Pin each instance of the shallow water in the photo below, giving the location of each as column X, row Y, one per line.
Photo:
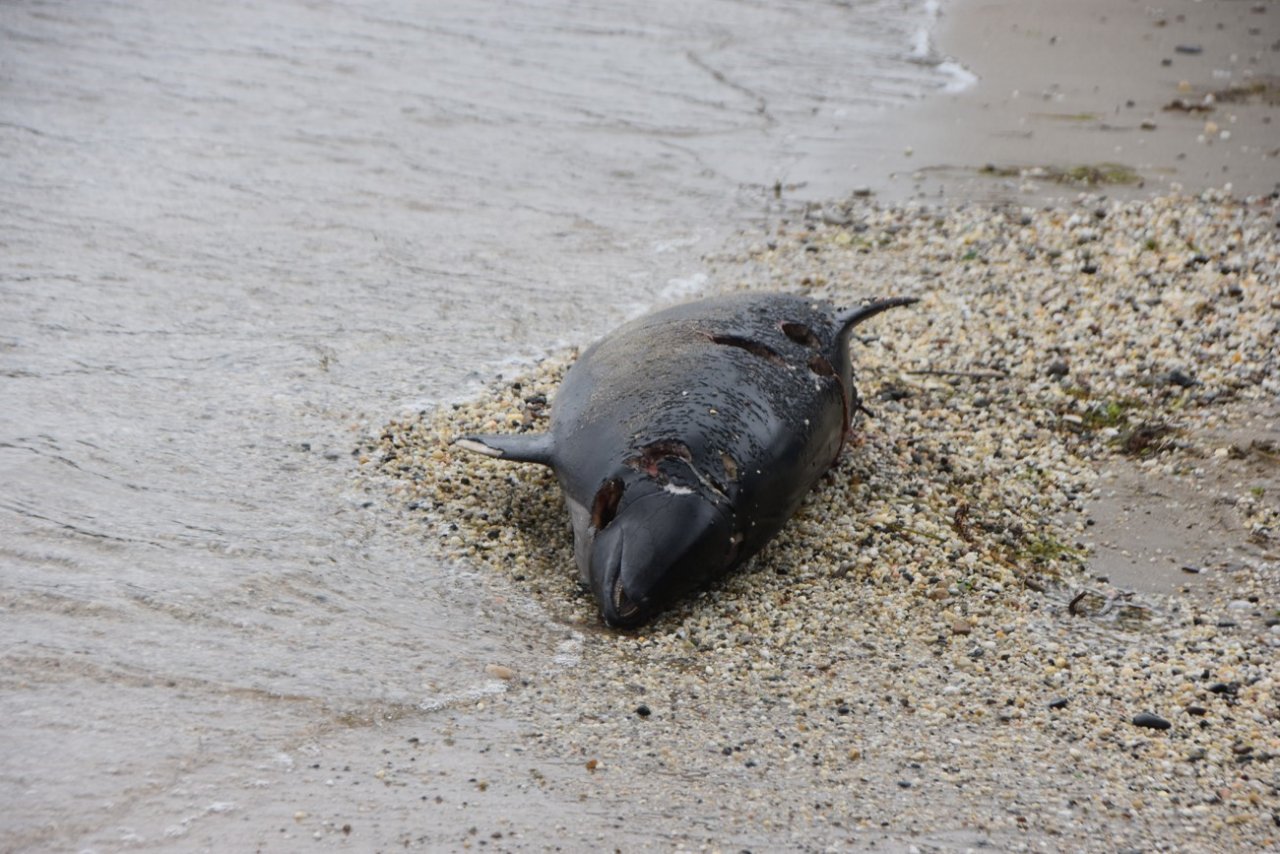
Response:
column 237, row 236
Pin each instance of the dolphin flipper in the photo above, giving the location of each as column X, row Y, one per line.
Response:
column 846, row 320
column 520, row 448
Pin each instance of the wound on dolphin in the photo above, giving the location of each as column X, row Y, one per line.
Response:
column 820, row 366
column 648, row 417
column 802, row 335
column 654, row 453
column 605, row 505
column 764, row 351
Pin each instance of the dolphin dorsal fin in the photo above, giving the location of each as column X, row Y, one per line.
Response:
column 850, row 318
column 516, row 447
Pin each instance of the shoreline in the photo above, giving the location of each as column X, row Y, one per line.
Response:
column 1040, row 125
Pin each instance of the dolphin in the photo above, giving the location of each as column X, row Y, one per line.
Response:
column 684, row 440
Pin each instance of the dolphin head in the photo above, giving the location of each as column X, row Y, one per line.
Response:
column 647, row 542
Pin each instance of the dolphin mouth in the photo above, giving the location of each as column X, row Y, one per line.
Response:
column 617, row 608
column 624, row 609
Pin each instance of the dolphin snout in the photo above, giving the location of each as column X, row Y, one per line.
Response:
column 607, row 578
column 655, row 549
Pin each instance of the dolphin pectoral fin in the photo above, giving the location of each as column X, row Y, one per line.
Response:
column 520, row 448
column 846, row 320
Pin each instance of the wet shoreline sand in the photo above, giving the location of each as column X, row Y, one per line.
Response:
column 1142, row 99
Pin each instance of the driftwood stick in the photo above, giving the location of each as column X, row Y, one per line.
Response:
column 973, row 375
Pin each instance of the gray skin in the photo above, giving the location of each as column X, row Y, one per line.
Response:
column 685, row 439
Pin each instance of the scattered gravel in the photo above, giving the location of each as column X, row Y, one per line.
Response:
column 921, row 654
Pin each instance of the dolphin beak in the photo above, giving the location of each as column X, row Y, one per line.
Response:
column 657, row 548
column 618, row 608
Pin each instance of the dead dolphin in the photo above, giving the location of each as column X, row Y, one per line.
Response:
column 685, row 439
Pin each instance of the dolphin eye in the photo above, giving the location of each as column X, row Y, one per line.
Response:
column 605, row 505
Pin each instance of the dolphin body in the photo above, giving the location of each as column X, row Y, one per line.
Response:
column 685, row 439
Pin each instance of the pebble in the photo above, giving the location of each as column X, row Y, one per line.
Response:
column 498, row 671
column 1150, row 721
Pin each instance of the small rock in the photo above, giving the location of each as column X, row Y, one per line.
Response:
column 1150, row 721
column 643, row 711
column 961, row 627
column 1178, row 378
column 1058, row 369
column 497, row 671
column 1190, row 49
column 1058, row 703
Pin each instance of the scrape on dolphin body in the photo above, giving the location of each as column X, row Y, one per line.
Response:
column 685, row 439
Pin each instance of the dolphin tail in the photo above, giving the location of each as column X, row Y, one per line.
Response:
column 520, row 448
column 850, row 318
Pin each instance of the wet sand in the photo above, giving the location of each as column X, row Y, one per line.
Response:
column 1085, row 85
